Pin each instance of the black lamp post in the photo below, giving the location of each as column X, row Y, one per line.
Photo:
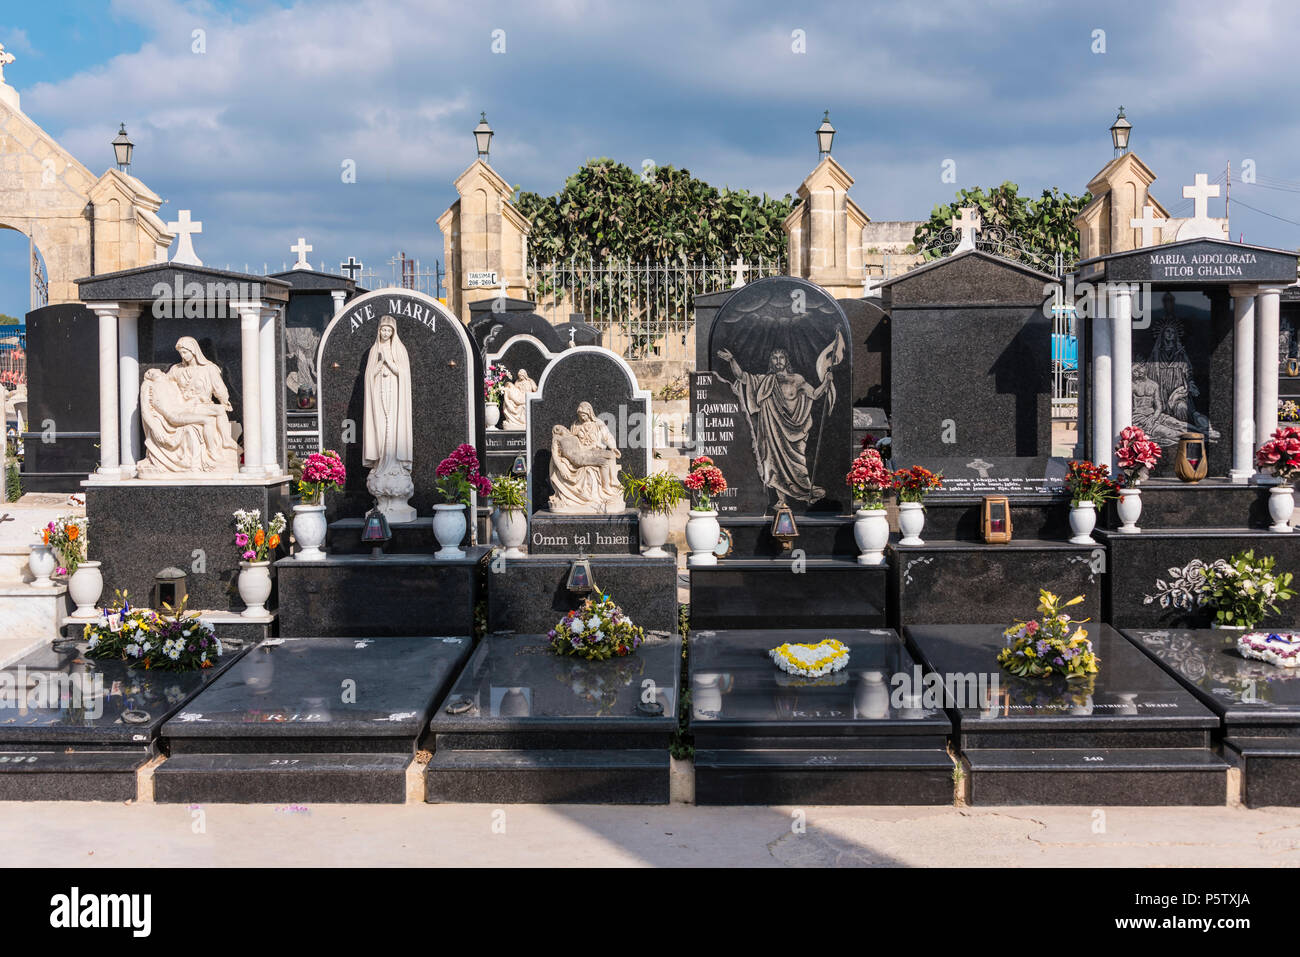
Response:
column 1119, row 133
column 825, row 134
column 483, row 135
column 122, row 149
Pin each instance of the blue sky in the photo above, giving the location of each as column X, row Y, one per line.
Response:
column 251, row 134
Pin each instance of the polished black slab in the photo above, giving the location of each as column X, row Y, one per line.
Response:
column 615, row 533
column 522, row 724
column 795, row 592
column 1138, row 777
column 101, row 704
column 1130, row 696
column 321, row 694
column 1171, row 505
column 63, row 775
column 264, row 778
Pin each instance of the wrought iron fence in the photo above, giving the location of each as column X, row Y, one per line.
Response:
column 13, row 357
column 646, row 308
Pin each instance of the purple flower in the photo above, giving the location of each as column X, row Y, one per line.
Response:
column 1057, row 660
column 241, row 539
column 249, row 555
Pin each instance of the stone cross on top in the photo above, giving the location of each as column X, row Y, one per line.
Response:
column 1200, row 226
column 967, row 225
column 5, row 59
column 352, row 268
column 1148, row 223
column 184, row 228
column 738, row 269
column 302, row 249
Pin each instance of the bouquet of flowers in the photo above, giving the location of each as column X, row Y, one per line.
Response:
column 1246, row 591
column 117, row 628
column 494, row 379
column 1136, row 454
column 255, row 541
column 172, row 641
column 704, row 480
column 1288, row 410
column 458, row 476
column 68, row 536
column 1277, row 648
column 869, row 478
column 509, row 492
column 323, row 472
column 1042, row 648
column 1087, row 482
column 1281, row 453
column 914, row 484
column 597, row 631
column 811, row 661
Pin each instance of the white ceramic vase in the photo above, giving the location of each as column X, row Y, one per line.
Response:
column 254, row 587
column 1129, row 509
column 42, row 563
column 449, row 525
column 511, row 526
column 702, row 532
column 85, row 585
column 1083, row 519
column 911, row 519
column 871, row 532
column 1281, row 506
column 492, row 414
column 309, row 529
column 654, row 533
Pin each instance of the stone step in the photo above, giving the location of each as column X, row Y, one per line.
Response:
column 1270, row 769
column 823, row 776
column 1113, row 776
column 282, row 778
column 70, row 775
column 29, row 618
column 605, row 776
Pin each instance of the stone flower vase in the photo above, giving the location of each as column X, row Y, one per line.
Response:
column 449, row 525
column 254, row 587
column 1083, row 519
column 1281, row 506
column 491, row 414
column 871, row 532
column 911, row 519
column 654, row 533
column 42, row 563
column 511, row 526
column 702, row 533
column 309, row 528
column 85, row 585
column 1129, row 509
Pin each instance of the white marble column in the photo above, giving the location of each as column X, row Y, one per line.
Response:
column 340, row 297
column 1266, row 334
column 1121, row 350
column 266, row 357
column 110, row 461
column 1102, row 390
column 1243, row 383
column 250, row 317
column 128, row 379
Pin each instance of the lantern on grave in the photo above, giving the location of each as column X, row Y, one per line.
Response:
column 1190, row 464
column 784, row 528
column 169, row 588
column 376, row 532
column 581, row 581
column 996, row 521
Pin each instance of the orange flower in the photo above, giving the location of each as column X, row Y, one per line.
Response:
column 259, row 537
column 73, row 532
column 275, row 541
column 45, row 534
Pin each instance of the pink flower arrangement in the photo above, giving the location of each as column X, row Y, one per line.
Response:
column 1281, row 453
column 869, row 478
column 1136, row 454
column 323, row 472
column 706, row 480
column 494, row 378
column 458, row 476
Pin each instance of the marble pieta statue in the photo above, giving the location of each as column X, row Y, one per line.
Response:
column 514, row 400
column 584, row 466
column 183, row 418
column 387, row 438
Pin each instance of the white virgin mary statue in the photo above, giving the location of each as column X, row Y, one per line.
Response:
column 386, row 442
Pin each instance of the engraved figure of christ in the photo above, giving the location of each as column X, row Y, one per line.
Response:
column 779, row 405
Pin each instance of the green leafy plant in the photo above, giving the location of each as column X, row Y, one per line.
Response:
column 1247, row 591
column 658, row 492
column 509, row 492
column 1044, row 225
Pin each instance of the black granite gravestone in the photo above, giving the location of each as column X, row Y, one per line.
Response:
column 446, row 390
column 62, row 437
column 970, row 381
column 579, row 332
column 705, row 307
column 783, row 347
column 523, row 352
column 493, row 322
column 870, row 326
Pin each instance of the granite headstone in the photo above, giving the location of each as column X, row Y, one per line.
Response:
column 494, row 322
column 62, row 391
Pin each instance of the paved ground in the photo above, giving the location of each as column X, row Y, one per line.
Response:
column 88, row 835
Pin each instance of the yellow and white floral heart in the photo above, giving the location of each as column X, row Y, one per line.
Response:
column 811, row 660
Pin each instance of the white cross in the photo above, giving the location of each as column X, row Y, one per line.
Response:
column 351, row 267
column 968, row 225
column 739, row 269
column 5, row 59
column 302, row 249
column 1148, row 223
column 184, row 228
column 1200, row 195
